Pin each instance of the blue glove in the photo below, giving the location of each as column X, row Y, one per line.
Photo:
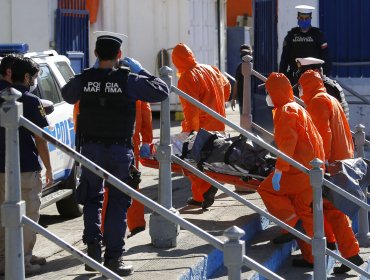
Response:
column 134, row 65
column 145, row 151
column 276, row 180
column 96, row 64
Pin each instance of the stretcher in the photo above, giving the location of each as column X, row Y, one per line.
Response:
column 222, row 173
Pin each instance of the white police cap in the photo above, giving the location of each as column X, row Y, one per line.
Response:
column 112, row 36
column 309, row 61
column 304, row 9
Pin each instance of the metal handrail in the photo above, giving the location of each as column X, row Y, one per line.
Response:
column 14, row 121
column 300, row 101
column 108, row 177
column 270, row 148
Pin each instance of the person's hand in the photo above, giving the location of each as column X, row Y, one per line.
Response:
column 134, row 65
column 145, row 151
column 49, row 177
column 233, row 103
column 276, row 180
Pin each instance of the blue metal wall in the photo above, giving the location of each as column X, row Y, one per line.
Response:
column 264, row 57
column 72, row 28
column 265, row 36
column 345, row 24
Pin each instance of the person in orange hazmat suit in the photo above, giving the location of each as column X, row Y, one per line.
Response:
column 331, row 122
column 297, row 137
column 208, row 85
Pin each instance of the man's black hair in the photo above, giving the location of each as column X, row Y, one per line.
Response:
column 7, row 62
column 23, row 66
column 246, row 49
column 107, row 48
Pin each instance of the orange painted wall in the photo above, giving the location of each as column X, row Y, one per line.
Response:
column 236, row 8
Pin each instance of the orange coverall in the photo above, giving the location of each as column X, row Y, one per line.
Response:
column 331, row 122
column 208, row 85
column 297, row 137
column 143, row 128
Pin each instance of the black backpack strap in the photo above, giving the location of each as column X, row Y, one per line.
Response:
column 185, row 145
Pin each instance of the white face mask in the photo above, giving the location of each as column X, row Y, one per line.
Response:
column 269, row 101
column 300, row 90
column 34, row 86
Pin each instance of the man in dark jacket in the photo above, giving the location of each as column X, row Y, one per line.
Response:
column 107, row 96
column 303, row 41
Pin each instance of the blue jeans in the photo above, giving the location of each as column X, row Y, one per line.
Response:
column 116, row 159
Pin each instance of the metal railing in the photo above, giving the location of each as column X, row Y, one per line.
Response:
column 13, row 214
column 316, row 178
column 13, row 208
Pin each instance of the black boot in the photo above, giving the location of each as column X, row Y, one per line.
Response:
column 94, row 252
column 209, row 197
column 356, row 259
column 119, row 267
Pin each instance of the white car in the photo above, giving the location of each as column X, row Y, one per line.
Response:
column 55, row 72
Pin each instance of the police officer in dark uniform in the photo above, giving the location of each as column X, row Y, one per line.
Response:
column 332, row 87
column 303, row 41
column 107, row 96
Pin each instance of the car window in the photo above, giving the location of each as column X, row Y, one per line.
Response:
column 65, row 70
column 48, row 86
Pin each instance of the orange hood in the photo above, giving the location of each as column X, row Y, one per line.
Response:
column 183, row 58
column 311, row 83
column 279, row 89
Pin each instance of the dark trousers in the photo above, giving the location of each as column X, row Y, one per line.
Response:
column 116, row 159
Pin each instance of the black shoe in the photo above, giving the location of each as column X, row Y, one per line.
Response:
column 209, row 197
column 301, row 263
column 135, row 231
column 283, row 238
column 331, row 246
column 193, row 202
column 356, row 259
column 119, row 267
column 94, row 252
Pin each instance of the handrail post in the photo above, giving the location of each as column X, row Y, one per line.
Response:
column 363, row 235
column 13, row 207
column 163, row 232
column 319, row 240
column 246, row 117
column 234, row 250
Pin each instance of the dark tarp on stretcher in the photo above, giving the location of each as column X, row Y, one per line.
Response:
column 352, row 176
column 238, row 151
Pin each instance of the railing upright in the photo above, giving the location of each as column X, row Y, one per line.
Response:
column 13, row 207
column 246, row 117
column 163, row 232
column 363, row 235
column 319, row 239
column 234, row 250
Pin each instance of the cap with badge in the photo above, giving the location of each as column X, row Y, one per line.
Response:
column 304, row 9
column 109, row 39
column 309, row 61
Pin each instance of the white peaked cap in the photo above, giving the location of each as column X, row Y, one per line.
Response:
column 309, row 61
column 305, row 9
column 118, row 37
